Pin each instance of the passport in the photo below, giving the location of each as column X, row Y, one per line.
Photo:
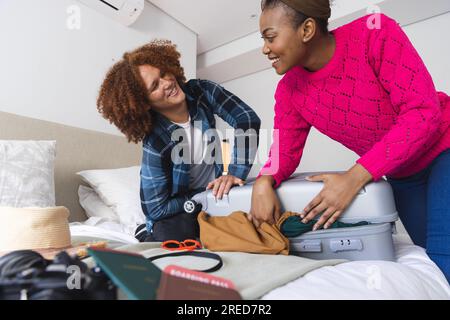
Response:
column 136, row 276
column 141, row 279
column 178, row 283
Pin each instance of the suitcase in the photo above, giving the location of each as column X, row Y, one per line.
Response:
column 374, row 204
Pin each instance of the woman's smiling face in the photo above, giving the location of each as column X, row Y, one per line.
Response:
column 284, row 45
column 163, row 89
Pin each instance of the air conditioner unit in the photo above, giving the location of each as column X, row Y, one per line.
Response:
column 124, row 11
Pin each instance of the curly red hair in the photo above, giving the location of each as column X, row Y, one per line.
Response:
column 123, row 97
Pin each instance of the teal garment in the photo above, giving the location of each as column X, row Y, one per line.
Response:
column 294, row 227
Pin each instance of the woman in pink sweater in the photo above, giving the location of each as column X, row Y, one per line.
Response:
column 365, row 86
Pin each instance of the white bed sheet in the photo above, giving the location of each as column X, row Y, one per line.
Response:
column 100, row 229
column 413, row 276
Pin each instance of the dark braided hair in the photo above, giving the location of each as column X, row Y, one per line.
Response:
column 296, row 17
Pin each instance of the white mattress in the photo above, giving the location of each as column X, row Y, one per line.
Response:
column 413, row 276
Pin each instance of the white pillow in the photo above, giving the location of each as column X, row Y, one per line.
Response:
column 119, row 189
column 26, row 173
column 94, row 206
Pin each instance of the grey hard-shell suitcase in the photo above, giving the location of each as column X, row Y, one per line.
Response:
column 374, row 204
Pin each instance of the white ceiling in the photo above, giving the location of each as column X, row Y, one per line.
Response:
column 215, row 21
column 229, row 43
column 218, row 22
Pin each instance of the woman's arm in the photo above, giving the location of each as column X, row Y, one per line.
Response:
column 156, row 200
column 290, row 134
column 289, row 137
column 404, row 76
column 338, row 192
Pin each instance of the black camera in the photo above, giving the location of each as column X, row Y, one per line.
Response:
column 27, row 275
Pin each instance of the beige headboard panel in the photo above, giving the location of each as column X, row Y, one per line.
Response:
column 76, row 150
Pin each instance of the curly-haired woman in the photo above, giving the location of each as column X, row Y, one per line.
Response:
column 366, row 87
column 147, row 97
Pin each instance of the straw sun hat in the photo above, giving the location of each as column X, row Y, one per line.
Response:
column 45, row 230
column 34, row 228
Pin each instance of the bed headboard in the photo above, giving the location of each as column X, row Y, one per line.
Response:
column 76, row 150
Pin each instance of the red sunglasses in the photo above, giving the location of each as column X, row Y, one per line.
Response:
column 174, row 245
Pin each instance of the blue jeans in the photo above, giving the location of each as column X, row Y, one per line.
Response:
column 423, row 204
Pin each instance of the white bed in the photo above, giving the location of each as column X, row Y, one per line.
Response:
column 413, row 276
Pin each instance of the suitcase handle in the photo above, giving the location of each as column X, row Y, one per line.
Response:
column 307, row 246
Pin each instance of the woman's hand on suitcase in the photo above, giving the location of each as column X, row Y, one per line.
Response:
column 223, row 184
column 266, row 206
column 338, row 192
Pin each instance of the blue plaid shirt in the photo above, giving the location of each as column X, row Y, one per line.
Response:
column 165, row 184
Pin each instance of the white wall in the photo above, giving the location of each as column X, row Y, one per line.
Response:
column 239, row 58
column 321, row 153
column 430, row 38
column 50, row 72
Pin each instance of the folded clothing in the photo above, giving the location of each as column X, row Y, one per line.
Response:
column 290, row 224
column 236, row 233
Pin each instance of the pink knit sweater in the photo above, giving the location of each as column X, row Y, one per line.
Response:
column 375, row 96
